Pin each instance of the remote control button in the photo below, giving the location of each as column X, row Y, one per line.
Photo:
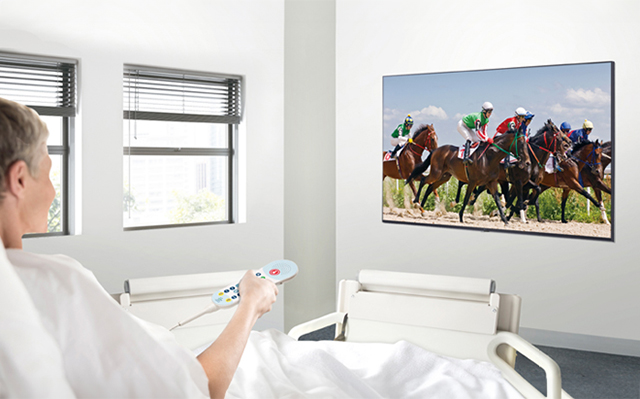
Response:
column 226, row 291
column 228, row 300
column 234, row 297
column 258, row 274
column 274, row 272
column 221, row 293
column 263, row 277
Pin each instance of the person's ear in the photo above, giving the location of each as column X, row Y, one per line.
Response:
column 16, row 178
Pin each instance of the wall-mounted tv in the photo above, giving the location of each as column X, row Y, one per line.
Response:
column 526, row 150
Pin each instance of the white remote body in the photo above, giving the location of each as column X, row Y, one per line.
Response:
column 277, row 271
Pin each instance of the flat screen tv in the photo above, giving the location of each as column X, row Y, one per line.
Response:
column 540, row 157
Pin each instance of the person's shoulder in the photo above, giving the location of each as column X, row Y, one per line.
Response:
column 52, row 266
column 30, row 259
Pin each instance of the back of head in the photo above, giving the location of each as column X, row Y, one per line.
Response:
column 22, row 133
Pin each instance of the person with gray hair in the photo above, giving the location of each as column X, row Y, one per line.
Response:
column 104, row 350
column 26, row 192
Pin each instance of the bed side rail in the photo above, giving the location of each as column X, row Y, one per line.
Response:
column 550, row 367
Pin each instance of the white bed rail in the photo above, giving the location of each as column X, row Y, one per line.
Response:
column 452, row 316
column 550, row 367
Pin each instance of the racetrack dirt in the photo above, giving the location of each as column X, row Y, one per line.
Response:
column 494, row 222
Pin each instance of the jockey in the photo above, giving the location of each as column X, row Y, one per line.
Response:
column 399, row 136
column 520, row 122
column 581, row 134
column 473, row 127
column 565, row 128
column 512, row 123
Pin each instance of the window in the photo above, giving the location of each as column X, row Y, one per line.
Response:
column 179, row 138
column 49, row 87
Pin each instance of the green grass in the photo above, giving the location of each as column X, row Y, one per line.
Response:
column 550, row 202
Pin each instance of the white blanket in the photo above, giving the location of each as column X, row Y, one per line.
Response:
column 106, row 352
column 276, row 366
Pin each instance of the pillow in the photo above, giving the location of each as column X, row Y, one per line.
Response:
column 30, row 360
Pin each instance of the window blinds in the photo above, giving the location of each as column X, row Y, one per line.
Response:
column 47, row 86
column 153, row 94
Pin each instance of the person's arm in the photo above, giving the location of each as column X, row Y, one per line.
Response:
column 221, row 359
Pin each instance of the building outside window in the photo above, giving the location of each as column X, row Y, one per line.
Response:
column 179, row 144
column 49, row 87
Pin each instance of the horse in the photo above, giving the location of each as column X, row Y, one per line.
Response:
column 590, row 178
column 585, row 153
column 547, row 140
column 485, row 169
column 424, row 138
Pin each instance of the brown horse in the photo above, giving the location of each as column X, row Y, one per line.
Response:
column 484, row 171
column 590, row 177
column 548, row 140
column 583, row 154
column 424, row 138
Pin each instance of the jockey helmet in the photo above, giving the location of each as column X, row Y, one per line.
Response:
column 408, row 120
column 487, row 106
column 565, row 126
column 587, row 124
column 521, row 111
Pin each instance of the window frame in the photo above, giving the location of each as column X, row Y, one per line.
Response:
column 67, row 113
column 232, row 123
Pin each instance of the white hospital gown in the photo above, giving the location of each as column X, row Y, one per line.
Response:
column 106, row 351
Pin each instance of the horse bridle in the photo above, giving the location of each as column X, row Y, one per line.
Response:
column 426, row 142
column 554, row 143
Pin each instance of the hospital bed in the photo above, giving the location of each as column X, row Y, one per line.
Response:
column 459, row 317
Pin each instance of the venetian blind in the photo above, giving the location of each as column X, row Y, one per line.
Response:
column 153, row 94
column 47, row 86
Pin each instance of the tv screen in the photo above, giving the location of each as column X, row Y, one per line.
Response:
column 526, row 150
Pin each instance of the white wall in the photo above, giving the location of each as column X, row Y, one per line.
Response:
column 310, row 143
column 569, row 286
column 234, row 37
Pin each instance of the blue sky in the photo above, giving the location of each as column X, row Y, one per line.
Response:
column 569, row 93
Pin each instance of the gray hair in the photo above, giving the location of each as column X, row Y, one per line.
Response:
column 22, row 133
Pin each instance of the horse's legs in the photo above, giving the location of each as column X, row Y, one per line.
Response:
column 466, row 201
column 415, row 192
column 520, row 194
column 422, row 183
column 599, row 186
column 460, row 184
column 426, row 195
column 534, row 198
column 565, row 196
column 433, row 186
column 493, row 189
column 476, row 193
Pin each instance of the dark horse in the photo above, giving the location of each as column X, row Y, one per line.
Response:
column 590, row 177
column 547, row 140
column 484, row 171
column 585, row 153
column 424, row 138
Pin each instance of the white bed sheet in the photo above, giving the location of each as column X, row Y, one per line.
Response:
column 277, row 366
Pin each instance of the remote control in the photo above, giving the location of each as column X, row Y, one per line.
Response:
column 277, row 271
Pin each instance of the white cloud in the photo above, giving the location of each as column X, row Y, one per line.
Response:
column 424, row 115
column 431, row 112
column 560, row 110
column 588, row 98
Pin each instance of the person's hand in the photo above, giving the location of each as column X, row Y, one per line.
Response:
column 257, row 294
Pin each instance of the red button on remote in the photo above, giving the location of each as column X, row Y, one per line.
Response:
column 274, row 272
